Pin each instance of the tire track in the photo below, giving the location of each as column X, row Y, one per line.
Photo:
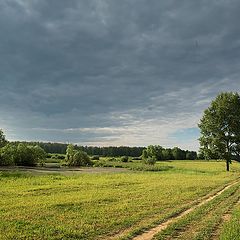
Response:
column 148, row 235
column 225, row 218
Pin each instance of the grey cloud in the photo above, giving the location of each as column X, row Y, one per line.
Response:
column 78, row 64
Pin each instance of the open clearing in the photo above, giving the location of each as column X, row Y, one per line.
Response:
column 119, row 205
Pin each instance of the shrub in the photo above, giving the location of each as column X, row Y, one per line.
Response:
column 147, row 158
column 42, row 163
column 124, row 159
column 149, row 161
column 21, row 154
column 56, row 156
column 29, row 155
column 95, row 157
column 102, row 164
column 80, row 158
column 136, row 158
column 8, row 155
column 63, row 164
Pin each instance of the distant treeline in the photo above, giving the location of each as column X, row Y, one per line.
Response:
column 164, row 153
column 101, row 151
column 156, row 153
column 48, row 147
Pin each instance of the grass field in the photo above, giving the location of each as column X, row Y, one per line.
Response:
column 118, row 205
column 231, row 230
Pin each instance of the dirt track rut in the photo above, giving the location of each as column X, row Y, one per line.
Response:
column 148, row 235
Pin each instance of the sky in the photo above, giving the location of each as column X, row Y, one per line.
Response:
column 110, row 72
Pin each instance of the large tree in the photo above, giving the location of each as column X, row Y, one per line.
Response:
column 220, row 128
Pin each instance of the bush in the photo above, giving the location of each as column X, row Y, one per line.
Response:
column 136, row 158
column 29, row 155
column 95, row 157
column 63, row 164
column 149, row 161
column 124, row 159
column 56, row 156
column 21, row 154
column 102, row 164
column 80, row 158
column 42, row 163
column 8, row 155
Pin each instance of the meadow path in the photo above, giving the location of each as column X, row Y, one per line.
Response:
column 149, row 234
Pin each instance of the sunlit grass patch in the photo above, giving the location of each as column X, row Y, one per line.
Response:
column 231, row 229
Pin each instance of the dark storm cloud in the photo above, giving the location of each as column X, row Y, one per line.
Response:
column 113, row 65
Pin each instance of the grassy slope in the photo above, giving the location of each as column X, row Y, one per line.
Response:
column 87, row 206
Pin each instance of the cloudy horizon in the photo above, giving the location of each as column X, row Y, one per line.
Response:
column 108, row 72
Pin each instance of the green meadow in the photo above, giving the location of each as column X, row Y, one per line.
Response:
column 231, row 230
column 114, row 205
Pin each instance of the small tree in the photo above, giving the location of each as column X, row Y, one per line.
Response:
column 220, row 128
column 80, row 158
column 124, row 159
column 148, row 157
column 70, row 152
column 39, row 153
column 153, row 152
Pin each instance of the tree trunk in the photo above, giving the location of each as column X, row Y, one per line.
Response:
column 227, row 165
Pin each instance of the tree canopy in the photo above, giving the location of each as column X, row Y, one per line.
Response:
column 76, row 157
column 220, row 128
column 21, row 155
column 155, row 153
column 111, row 151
